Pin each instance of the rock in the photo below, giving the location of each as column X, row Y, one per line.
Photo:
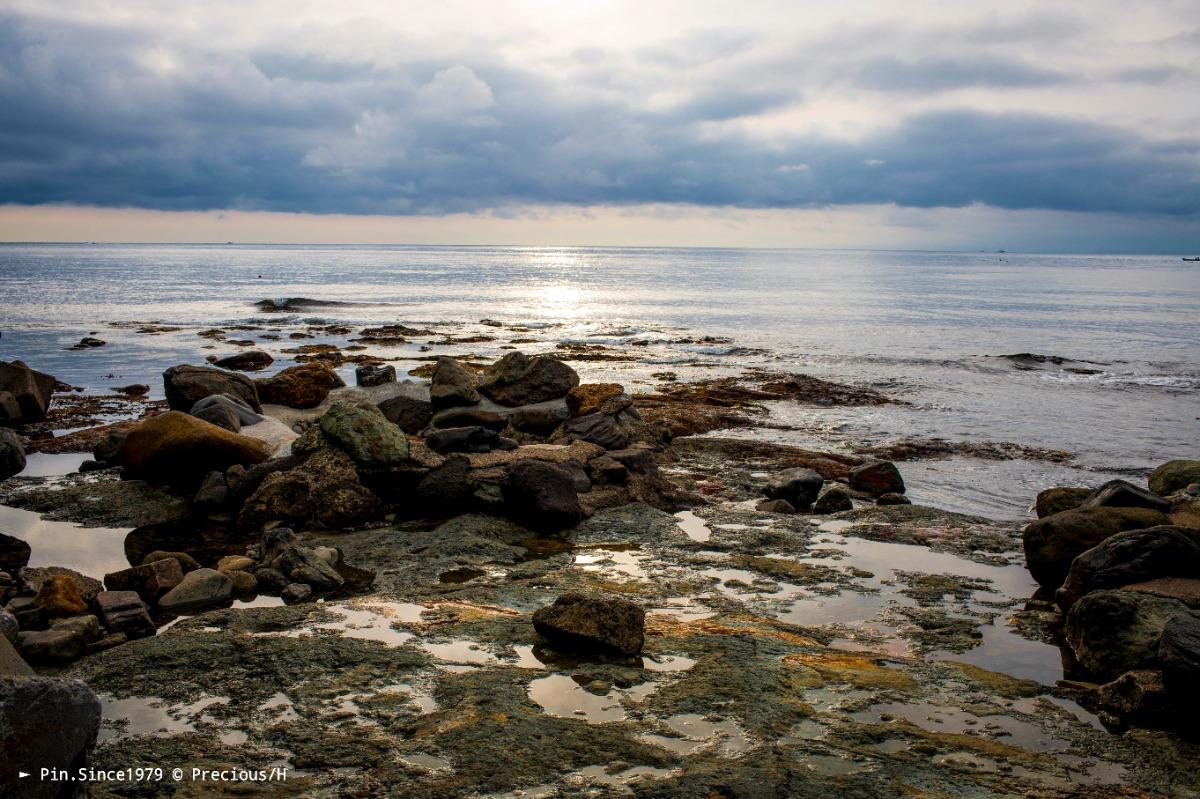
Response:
column 62, row 643
column 186, row 562
column 518, row 379
column 34, row 577
column 201, row 589
column 1053, row 542
column 588, row 398
column 593, row 623
column 877, row 477
column 607, row 471
column 599, row 429
column 87, row 343
column 244, row 582
column 124, row 612
column 341, row 504
column 295, row 592
column 213, row 494
column 281, row 497
column 1112, row 632
column 1179, row 655
column 1122, row 494
column 447, row 490
column 463, row 439
column 833, row 501
column 26, row 392
column 14, row 554
column 1131, row 557
column 181, row 450
column 12, row 454
column 149, row 582
column 1184, row 589
column 409, row 414
column 186, row 385
column 538, row 419
column 1057, row 500
column 452, row 384
column 892, row 499
column 638, row 459
column 60, row 735
column 11, row 662
column 775, row 506
column 541, row 495
column 283, row 553
column 108, row 447
column 1135, row 696
column 374, row 374
column 363, row 432
column 59, row 597
column 133, row 390
column 469, row 417
column 28, row 614
column 244, row 413
column 245, row 361
column 8, row 626
column 231, row 563
column 1174, row 476
column 270, row 579
column 303, row 386
column 220, row 416
column 799, row 486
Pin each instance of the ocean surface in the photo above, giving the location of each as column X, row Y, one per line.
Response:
column 1117, row 387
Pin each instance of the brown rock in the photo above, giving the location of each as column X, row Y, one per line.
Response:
column 518, row 379
column 59, row 597
column 587, row 398
column 1052, row 543
column 303, row 386
column 186, row 385
column 877, row 477
column 593, row 623
column 1057, row 500
column 150, row 581
column 27, row 392
column 180, row 449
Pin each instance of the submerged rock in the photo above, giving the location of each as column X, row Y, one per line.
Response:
column 179, row 449
column 59, row 735
column 363, row 432
column 303, row 386
column 1174, row 476
column 1123, row 494
column 186, row 385
column 25, row 393
column 452, row 384
column 12, row 454
column 876, row 478
column 1053, row 542
column 518, row 379
column 1132, row 557
column 592, row 623
column 1112, row 632
column 1059, row 499
column 800, row 487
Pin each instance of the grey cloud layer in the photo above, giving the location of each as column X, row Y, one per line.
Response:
column 114, row 117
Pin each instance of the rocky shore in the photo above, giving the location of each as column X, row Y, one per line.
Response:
column 493, row 579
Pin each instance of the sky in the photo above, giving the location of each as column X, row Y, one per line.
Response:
column 1049, row 126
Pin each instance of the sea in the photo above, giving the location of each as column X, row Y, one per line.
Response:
column 1097, row 356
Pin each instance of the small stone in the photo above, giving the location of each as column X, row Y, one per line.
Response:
column 245, row 361
column 295, row 592
column 186, row 562
column 124, row 612
column 834, row 500
column 243, row 581
column 59, row 597
column 232, row 563
column 452, row 384
column 775, row 506
column 800, row 487
column 374, row 374
column 201, row 589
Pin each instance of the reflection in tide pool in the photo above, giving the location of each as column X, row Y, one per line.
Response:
column 94, row 551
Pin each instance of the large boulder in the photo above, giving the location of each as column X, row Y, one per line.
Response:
column 303, row 386
column 244, row 414
column 1053, row 542
column 199, row 590
column 186, row 385
column 1132, row 557
column 281, row 497
column 410, row 414
column 59, row 734
column 877, row 478
column 593, row 623
column 1112, row 632
column 452, row 384
column 180, row 449
column 599, row 429
column 365, row 434
column 541, row 495
column 14, row 554
column 1123, row 494
column 518, row 379
column 799, row 486
column 245, row 361
column 1179, row 656
column 24, row 393
column 1059, row 499
column 12, row 454
column 446, row 490
column 1174, row 476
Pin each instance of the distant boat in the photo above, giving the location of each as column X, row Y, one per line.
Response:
column 1191, row 259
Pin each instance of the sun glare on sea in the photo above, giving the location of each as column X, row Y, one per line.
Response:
column 560, row 299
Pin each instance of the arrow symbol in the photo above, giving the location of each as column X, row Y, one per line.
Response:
column 23, row 774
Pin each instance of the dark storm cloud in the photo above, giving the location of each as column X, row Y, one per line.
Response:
column 102, row 116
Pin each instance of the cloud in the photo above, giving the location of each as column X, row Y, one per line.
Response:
column 100, row 114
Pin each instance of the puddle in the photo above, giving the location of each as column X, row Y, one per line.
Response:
column 280, row 708
column 41, row 464
column 426, row 762
column 461, row 651
column 149, row 715
column 942, row 718
column 94, row 551
column 693, row 526
column 560, row 695
column 835, row 765
column 627, row 562
column 667, row 663
column 421, row 698
column 693, row 733
column 368, row 621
